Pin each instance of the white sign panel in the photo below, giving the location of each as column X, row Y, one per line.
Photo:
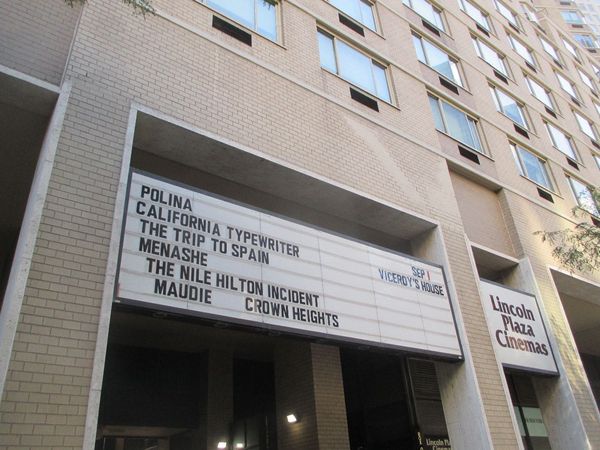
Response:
column 202, row 255
column 518, row 332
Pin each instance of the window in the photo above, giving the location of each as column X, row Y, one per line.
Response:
column 531, row 166
column 586, row 40
column 359, row 10
column 585, row 125
column 507, row 13
column 490, row 56
column 572, row 50
column 597, row 106
column 597, row 158
column 525, row 52
column 571, row 17
column 583, row 196
column 550, row 49
column 437, row 59
column 257, row 15
column 529, row 13
column 427, row 11
column 475, row 13
column 586, row 80
column 540, row 92
column 455, row 123
column 567, row 86
column 354, row 66
column 509, row 106
column 596, row 69
column 561, row 141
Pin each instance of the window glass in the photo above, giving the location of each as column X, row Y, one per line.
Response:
column 529, row 13
column 570, row 49
column 597, row 158
column 571, row 17
column 353, row 66
column 257, row 15
column 455, row 123
column 597, row 106
column 490, row 56
column 507, row 13
column 427, row 11
column 522, row 50
column 359, row 10
column 586, row 80
column 549, row 48
column 583, row 196
column 585, row 125
column 531, row 166
column 561, row 141
column 509, row 106
column 327, row 52
column 566, row 85
column 437, row 59
column 475, row 13
column 586, row 40
column 539, row 92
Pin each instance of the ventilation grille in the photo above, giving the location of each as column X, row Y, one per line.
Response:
column 364, row 99
column 471, row 156
column 232, row 30
column 351, row 24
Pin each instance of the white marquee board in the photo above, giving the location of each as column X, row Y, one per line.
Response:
column 517, row 329
column 202, row 255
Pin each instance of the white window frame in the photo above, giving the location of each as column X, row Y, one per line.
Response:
column 553, row 131
column 534, row 86
column 436, row 12
column 584, row 36
column 478, row 43
column 529, row 13
column 587, row 80
column 453, row 62
column 564, row 82
column 469, row 8
column 587, row 204
column 498, row 94
column 597, row 159
column 254, row 27
column 335, row 40
column 520, row 48
column 592, row 133
column 517, row 151
column 550, row 49
column 572, row 50
column 572, row 12
column 507, row 13
column 474, row 129
column 360, row 19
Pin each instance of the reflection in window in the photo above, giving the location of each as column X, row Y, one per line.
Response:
column 567, row 86
column 531, row 166
column 475, row 13
column 257, row 15
column 352, row 65
column 571, row 17
column 507, row 13
column 455, row 123
column 427, row 11
column 583, row 196
column 359, row 10
column 561, row 141
column 585, row 125
column 509, row 106
column 490, row 56
column 525, row 52
column 540, row 92
column 437, row 59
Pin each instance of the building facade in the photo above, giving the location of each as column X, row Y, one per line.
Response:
column 308, row 225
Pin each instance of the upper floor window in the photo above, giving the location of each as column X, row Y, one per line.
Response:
column 455, row 123
column 529, row 13
column 354, row 66
column 586, row 80
column 583, row 196
column 531, row 166
column 540, row 92
column 571, row 16
column 508, row 13
column 597, row 158
column 490, row 56
column 257, row 15
column 561, row 141
column 437, row 59
column 586, row 126
column 567, row 86
column 596, row 69
column 475, row 13
column 427, row 11
column 572, row 50
column 586, row 40
column 525, row 52
column 508, row 106
column 597, row 106
column 550, row 49
column 359, row 10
